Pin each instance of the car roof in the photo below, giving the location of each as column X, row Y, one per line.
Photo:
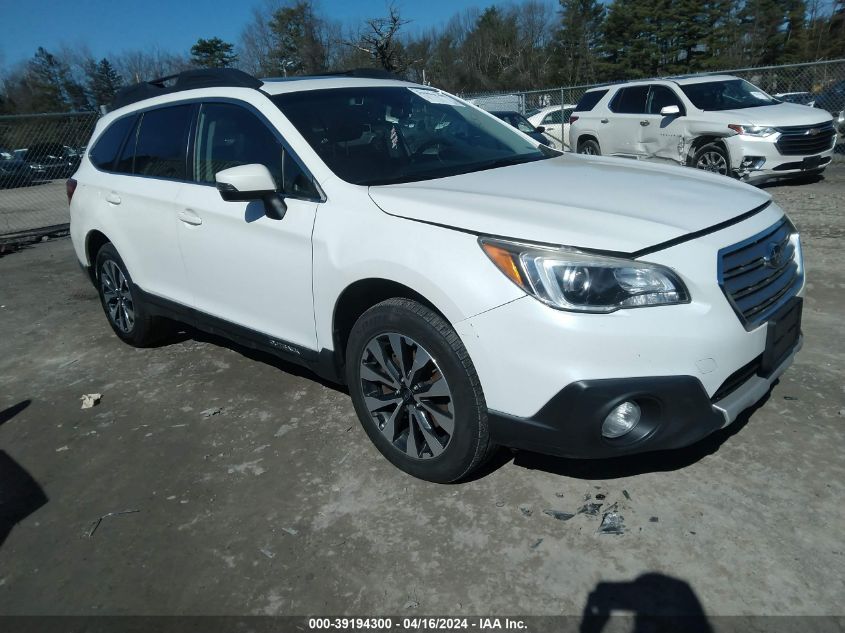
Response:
column 680, row 80
column 552, row 108
column 276, row 86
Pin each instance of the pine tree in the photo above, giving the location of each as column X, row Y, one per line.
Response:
column 103, row 82
column 213, row 53
column 577, row 41
column 46, row 80
column 297, row 44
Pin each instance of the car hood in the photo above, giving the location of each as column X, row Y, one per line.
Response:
column 583, row 201
column 777, row 115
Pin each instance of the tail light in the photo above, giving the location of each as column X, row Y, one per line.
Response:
column 70, row 187
column 572, row 119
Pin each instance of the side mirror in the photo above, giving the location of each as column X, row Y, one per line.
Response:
column 540, row 129
column 670, row 110
column 251, row 182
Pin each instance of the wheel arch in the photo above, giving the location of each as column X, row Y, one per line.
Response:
column 584, row 136
column 705, row 139
column 360, row 296
column 94, row 241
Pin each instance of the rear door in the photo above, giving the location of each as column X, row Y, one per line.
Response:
column 553, row 122
column 244, row 267
column 662, row 136
column 621, row 134
column 139, row 197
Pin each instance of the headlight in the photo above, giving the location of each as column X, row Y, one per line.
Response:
column 752, row 130
column 568, row 279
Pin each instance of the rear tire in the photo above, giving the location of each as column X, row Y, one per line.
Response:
column 125, row 310
column 589, row 147
column 416, row 391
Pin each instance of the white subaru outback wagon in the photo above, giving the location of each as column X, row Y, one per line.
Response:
column 717, row 123
column 401, row 241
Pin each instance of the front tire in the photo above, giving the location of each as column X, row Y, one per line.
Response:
column 125, row 310
column 712, row 157
column 416, row 391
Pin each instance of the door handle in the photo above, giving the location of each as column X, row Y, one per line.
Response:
column 189, row 216
column 113, row 198
column 644, row 123
column 604, row 120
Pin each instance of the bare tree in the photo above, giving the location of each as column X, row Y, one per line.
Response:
column 381, row 43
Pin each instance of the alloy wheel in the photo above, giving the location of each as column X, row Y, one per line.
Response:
column 117, row 296
column 713, row 162
column 407, row 395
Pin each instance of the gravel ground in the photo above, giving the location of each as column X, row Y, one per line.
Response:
column 250, row 487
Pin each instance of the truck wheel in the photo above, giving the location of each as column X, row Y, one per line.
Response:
column 416, row 391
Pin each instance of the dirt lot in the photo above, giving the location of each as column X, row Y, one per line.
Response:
column 253, row 489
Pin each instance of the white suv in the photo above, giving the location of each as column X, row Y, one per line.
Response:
column 718, row 123
column 397, row 239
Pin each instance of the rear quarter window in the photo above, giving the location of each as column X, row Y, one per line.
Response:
column 105, row 150
column 589, row 100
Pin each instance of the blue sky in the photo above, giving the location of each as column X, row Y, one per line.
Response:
column 111, row 26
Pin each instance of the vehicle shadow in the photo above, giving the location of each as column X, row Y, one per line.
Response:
column 20, row 494
column 631, row 465
column 655, row 602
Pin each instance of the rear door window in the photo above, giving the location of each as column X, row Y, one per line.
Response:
column 161, row 149
column 630, row 100
column 552, row 118
column 106, row 149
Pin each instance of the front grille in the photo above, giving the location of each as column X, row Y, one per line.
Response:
column 805, row 140
column 762, row 273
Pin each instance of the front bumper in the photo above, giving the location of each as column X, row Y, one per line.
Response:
column 550, row 377
column 757, row 160
column 676, row 412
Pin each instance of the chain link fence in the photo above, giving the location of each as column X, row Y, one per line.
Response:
column 821, row 84
column 39, row 152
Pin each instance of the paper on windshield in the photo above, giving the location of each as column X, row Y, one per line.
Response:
column 759, row 95
column 433, row 96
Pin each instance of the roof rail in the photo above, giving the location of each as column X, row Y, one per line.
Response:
column 363, row 73
column 186, row 80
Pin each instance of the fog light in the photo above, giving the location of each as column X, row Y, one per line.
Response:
column 621, row 420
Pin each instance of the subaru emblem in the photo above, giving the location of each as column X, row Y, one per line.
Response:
column 775, row 255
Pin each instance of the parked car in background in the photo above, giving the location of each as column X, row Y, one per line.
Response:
column 798, row 98
column 717, row 123
column 832, row 98
column 15, row 173
column 50, row 160
column 470, row 287
column 522, row 124
column 555, row 122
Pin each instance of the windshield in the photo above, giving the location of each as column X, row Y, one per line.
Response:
column 732, row 94
column 384, row 135
column 516, row 120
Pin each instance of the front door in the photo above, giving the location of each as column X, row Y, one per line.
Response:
column 244, row 267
